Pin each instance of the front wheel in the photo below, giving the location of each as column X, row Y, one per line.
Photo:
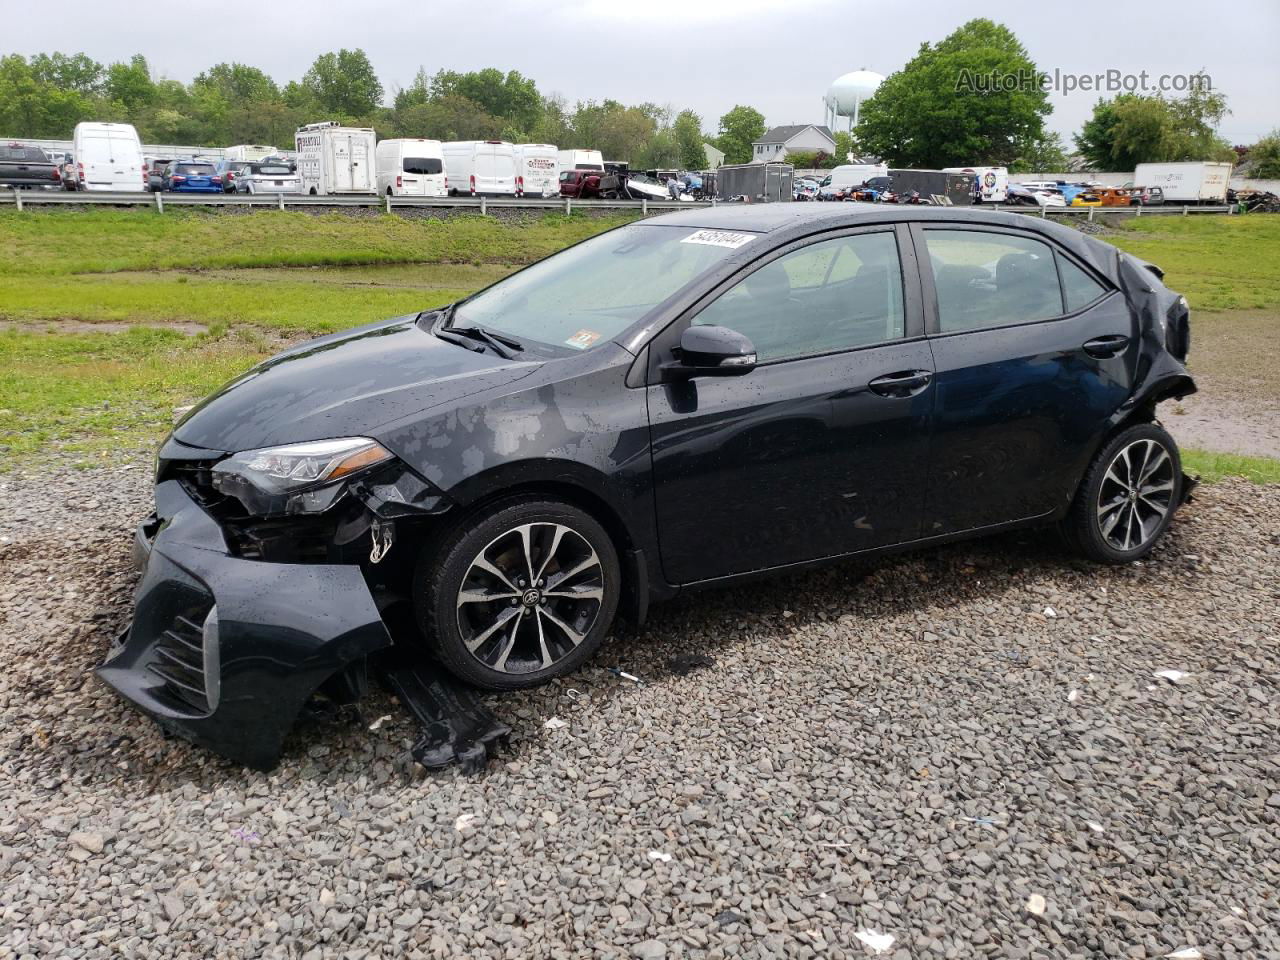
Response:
column 1127, row 498
column 519, row 596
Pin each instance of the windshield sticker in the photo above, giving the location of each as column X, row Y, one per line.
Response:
column 719, row 238
column 583, row 339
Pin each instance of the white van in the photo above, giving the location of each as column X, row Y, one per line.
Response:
column 410, row 168
column 537, row 170
column 849, row 175
column 108, row 157
column 252, row 152
column 992, row 182
column 475, row 167
column 581, row 160
column 334, row 159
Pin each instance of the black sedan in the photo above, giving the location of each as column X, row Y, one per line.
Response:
column 677, row 403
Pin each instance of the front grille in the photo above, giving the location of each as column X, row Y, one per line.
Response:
column 180, row 660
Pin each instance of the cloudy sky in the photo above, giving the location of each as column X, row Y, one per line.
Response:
column 706, row 54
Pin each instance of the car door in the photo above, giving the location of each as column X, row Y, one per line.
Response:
column 821, row 449
column 1034, row 351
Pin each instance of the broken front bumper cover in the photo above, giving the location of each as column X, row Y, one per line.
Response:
column 225, row 651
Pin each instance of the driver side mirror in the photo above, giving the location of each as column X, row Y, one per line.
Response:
column 711, row 351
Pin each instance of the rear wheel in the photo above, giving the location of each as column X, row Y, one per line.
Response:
column 1127, row 498
column 519, row 596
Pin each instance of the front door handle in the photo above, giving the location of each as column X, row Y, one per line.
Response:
column 1103, row 347
column 904, row 383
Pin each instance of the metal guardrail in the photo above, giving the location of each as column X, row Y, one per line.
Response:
column 24, row 198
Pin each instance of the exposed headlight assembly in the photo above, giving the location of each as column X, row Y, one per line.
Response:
column 297, row 477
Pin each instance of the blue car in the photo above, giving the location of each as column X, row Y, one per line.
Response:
column 192, row 176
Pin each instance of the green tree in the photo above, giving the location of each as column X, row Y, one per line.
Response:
column 844, row 147
column 510, row 96
column 344, row 84
column 1131, row 129
column 448, row 117
column 687, row 133
column 617, row 131
column 75, row 72
column 1042, row 155
column 739, row 128
column 1264, row 157
column 971, row 99
column 130, row 83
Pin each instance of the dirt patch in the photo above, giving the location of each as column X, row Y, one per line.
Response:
column 68, row 325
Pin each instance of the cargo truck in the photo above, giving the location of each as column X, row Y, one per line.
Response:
column 333, row 159
column 1186, row 183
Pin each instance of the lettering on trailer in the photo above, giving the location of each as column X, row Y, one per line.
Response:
column 540, row 163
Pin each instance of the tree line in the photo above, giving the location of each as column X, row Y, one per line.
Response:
column 919, row 117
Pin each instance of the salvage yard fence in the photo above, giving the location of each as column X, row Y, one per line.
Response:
column 21, row 199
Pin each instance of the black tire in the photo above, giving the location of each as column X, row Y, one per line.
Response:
column 447, row 566
column 1105, row 496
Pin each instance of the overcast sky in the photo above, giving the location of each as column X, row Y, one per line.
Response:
column 706, row 54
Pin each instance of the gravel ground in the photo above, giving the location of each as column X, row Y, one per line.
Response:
column 964, row 749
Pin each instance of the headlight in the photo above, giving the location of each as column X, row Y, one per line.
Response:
column 298, row 477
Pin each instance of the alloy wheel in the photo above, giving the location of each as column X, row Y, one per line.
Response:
column 1136, row 495
column 530, row 598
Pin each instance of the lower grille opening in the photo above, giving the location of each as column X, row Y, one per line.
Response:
column 181, row 662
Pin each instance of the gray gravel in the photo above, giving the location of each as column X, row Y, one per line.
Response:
column 890, row 748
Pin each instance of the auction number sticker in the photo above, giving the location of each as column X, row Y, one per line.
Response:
column 719, row 238
column 583, row 339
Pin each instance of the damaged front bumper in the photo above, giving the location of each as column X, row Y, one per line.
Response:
column 225, row 650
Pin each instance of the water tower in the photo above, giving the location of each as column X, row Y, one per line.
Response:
column 847, row 94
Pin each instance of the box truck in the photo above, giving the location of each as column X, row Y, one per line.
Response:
column 581, row 160
column 108, row 157
column 990, row 184
column 537, row 168
column 1194, row 182
column 849, row 175
column 758, row 182
column 334, row 159
column 410, row 168
column 476, row 167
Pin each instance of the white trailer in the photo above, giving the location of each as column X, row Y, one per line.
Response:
column 581, row 160
column 992, row 182
column 480, row 167
column 252, row 152
column 1193, row 182
column 537, row 170
column 333, row 159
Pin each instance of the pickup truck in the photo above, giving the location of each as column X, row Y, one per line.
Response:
column 27, row 167
column 587, row 184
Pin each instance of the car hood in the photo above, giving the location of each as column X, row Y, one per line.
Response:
column 343, row 385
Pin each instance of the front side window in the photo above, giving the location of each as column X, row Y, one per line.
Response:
column 991, row 279
column 592, row 292
column 833, row 295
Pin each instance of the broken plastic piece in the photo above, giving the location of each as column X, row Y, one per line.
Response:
column 465, row 822
column 659, row 855
column 619, row 672
column 377, row 724
column 1173, row 676
column 1073, row 696
column 455, row 725
column 984, row 821
column 1050, row 612
column 878, row 942
column 1036, row 905
column 1186, row 953
column 1094, row 826
column 555, row 723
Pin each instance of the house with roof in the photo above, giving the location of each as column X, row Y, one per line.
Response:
column 795, row 137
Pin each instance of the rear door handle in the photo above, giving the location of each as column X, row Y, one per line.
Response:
column 904, row 383
column 1103, row 347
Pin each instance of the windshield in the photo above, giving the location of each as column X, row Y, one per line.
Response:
column 593, row 291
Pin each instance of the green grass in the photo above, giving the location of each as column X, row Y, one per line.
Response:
column 1213, row 467
column 1217, row 262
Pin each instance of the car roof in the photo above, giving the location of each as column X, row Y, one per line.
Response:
column 801, row 217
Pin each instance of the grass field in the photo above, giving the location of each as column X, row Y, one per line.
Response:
column 109, row 320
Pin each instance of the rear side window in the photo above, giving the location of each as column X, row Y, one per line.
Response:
column 1078, row 288
column 424, row 166
column 991, row 279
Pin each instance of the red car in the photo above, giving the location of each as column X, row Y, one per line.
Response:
column 586, row 184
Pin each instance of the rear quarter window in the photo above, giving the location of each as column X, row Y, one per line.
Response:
column 1078, row 288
